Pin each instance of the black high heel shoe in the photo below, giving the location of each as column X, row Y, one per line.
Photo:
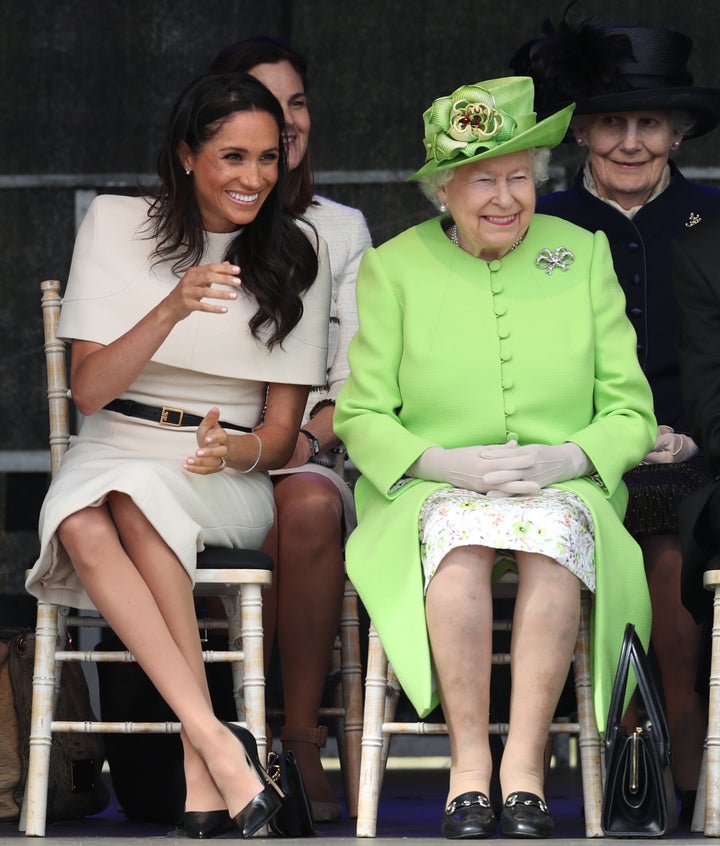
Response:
column 263, row 807
column 202, row 825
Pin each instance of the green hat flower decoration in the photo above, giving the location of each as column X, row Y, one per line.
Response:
column 463, row 122
column 487, row 119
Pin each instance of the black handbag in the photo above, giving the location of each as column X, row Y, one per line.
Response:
column 295, row 817
column 639, row 797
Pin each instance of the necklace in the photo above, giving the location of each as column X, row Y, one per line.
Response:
column 453, row 233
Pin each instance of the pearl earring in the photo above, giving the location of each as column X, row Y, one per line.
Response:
column 580, row 142
column 675, row 145
column 187, row 171
column 443, row 207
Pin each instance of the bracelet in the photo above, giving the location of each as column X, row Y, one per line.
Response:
column 314, row 443
column 319, row 406
column 255, row 463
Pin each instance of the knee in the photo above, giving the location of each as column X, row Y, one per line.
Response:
column 313, row 509
column 82, row 534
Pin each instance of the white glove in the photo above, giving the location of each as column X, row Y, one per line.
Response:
column 467, row 467
column 547, row 464
column 671, row 447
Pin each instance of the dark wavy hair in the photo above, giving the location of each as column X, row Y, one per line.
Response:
column 262, row 50
column 278, row 261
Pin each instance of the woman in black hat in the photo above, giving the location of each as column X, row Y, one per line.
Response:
column 635, row 105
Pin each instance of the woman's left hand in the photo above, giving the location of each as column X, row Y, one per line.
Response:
column 671, row 447
column 210, row 457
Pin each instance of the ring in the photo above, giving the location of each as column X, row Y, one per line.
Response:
column 223, row 463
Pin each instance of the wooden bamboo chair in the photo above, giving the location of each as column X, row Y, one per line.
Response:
column 382, row 692
column 706, row 817
column 236, row 576
column 347, row 707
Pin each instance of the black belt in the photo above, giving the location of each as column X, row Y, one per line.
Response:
column 166, row 415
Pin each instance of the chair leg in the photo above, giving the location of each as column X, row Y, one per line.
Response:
column 351, row 670
column 34, row 810
column 698, row 818
column 253, row 671
column 712, row 776
column 589, row 739
column 371, row 769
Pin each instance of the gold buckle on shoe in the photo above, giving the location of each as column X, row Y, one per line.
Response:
column 164, row 421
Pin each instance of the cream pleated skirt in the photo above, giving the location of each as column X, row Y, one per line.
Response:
column 144, row 460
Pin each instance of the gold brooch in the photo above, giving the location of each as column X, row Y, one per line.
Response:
column 693, row 219
column 548, row 260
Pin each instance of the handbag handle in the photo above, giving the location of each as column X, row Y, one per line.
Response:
column 633, row 654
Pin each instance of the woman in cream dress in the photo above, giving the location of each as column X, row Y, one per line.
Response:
column 189, row 314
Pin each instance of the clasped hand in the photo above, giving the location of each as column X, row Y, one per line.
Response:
column 671, row 447
column 212, row 448
column 502, row 469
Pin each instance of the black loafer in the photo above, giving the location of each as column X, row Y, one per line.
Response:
column 525, row 815
column 468, row 817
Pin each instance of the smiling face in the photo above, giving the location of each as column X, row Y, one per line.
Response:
column 492, row 201
column 628, row 152
column 286, row 84
column 234, row 170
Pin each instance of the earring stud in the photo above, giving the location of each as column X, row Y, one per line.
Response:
column 187, row 171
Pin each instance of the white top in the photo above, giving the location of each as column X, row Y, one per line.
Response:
column 346, row 234
column 112, row 269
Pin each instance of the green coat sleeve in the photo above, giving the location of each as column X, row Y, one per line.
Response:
column 366, row 413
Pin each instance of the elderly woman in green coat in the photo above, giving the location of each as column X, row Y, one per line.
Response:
column 494, row 402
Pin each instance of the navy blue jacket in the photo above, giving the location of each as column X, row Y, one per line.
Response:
column 641, row 250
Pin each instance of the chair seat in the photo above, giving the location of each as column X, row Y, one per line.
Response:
column 222, row 558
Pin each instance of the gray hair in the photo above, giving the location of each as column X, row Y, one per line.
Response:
column 433, row 182
column 683, row 121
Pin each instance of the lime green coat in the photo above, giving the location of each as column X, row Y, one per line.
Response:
column 455, row 351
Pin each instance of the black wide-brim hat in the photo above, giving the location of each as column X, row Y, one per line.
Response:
column 616, row 69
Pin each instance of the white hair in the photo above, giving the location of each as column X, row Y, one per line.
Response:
column 433, row 182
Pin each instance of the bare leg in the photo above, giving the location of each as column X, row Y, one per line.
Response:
column 458, row 610
column 310, row 584
column 676, row 640
column 148, row 602
column 270, row 595
column 545, row 626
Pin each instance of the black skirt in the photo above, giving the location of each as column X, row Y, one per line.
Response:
column 656, row 491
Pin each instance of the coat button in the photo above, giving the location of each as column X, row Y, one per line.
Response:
column 495, row 264
column 633, row 246
column 636, row 312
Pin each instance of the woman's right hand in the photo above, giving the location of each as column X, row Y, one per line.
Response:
column 101, row 373
column 467, row 467
column 198, row 285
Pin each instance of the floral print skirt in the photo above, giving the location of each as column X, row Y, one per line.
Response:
column 555, row 523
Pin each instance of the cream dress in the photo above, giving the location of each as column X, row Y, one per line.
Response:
column 207, row 360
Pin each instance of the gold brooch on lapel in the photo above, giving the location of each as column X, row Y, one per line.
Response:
column 548, row 260
column 693, row 219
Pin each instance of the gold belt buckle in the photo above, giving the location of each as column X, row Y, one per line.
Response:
column 164, row 421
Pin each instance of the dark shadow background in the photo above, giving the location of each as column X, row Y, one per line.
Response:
column 85, row 87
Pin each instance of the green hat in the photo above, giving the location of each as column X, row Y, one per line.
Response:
column 487, row 119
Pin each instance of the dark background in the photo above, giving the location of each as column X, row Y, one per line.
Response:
column 85, row 87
